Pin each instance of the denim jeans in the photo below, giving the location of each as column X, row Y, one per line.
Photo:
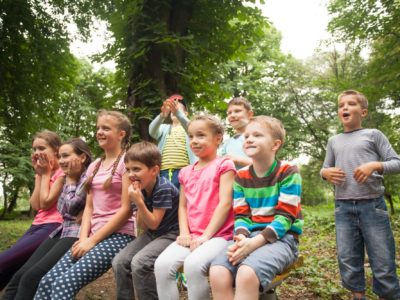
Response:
column 171, row 175
column 364, row 224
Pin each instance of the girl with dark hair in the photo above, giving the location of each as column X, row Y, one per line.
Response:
column 49, row 180
column 74, row 158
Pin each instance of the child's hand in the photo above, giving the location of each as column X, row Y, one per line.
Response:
column 334, row 175
column 361, row 173
column 34, row 159
column 81, row 247
column 165, row 109
column 173, row 105
column 135, row 193
column 244, row 247
column 183, row 240
column 74, row 170
column 197, row 242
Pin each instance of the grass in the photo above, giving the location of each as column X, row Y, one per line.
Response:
column 318, row 278
column 12, row 230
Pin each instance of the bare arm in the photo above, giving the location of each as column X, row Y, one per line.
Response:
column 184, row 233
column 150, row 219
column 221, row 211
column 34, row 200
column 81, row 247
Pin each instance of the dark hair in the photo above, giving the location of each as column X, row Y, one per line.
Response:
column 144, row 152
column 240, row 101
column 80, row 147
column 51, row 138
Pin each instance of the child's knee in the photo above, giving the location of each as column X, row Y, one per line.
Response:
column 163, row 268
column 220, row 276
column 194, row 268
column 121, row 262
column 246, row 276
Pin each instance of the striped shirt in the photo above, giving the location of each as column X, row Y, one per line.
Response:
column 70, row 203
column 174, row 154
column 349, row 150
column 270, row 203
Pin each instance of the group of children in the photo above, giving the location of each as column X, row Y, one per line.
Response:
column 229, row 213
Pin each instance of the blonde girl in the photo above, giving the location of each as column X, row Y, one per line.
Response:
column 205, row 213
column 107, row 222
column 48, row 184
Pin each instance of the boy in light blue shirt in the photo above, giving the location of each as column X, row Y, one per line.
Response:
column 239, row 113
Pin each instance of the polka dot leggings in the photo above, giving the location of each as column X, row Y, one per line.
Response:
column 68, row 276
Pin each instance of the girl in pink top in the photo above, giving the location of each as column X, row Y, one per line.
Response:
column 205, row 213
column 107, row 222
column 49, row 180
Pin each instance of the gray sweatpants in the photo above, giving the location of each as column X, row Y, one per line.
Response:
column 196, row 265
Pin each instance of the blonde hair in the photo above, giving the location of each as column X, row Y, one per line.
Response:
column 213, row 123
column 359, row 96
column 123, row 124
column 274, row 127
column 240, row 101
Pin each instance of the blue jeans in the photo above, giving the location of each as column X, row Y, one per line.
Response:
column 364, row 224
column 171, row 175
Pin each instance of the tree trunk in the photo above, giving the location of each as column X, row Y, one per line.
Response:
column 150, row 71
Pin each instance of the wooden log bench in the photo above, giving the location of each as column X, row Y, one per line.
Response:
column 270, row 293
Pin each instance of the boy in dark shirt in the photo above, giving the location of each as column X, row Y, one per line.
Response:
column 156, row 200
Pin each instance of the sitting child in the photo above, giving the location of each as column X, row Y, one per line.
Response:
column 205, row 214
column 267, row 210
column 156, row 200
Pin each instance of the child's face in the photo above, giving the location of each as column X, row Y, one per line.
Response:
column 258, row 142
column 180, row 107
column 138, row 171
column 67, row 157
column 350, row 112
column 238, row 116
column 203, row 141
column 41, row 146
column 108, row 134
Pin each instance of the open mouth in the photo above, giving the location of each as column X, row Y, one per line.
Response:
column 346, row 114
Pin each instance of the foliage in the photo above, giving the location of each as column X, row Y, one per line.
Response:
column 11, row 231
column 314, row 189
column 376, row 24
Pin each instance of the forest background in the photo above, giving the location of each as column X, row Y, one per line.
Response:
column 207, row 50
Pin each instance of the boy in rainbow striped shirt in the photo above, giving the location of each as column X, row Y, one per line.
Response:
column 267, row 216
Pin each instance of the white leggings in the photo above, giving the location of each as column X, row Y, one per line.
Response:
column 196, row 265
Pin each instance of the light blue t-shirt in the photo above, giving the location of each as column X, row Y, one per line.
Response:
column 234, row 146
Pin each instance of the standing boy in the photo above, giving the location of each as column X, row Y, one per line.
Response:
column 172, row 139
column 239, row 113
column 267, row 212
column 355, row 162
column 156, row 200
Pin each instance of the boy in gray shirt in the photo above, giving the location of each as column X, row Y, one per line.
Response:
column 355, row 163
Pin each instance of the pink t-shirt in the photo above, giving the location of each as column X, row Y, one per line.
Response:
column 107, row 202
column 201, row 189
column 50, row 215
